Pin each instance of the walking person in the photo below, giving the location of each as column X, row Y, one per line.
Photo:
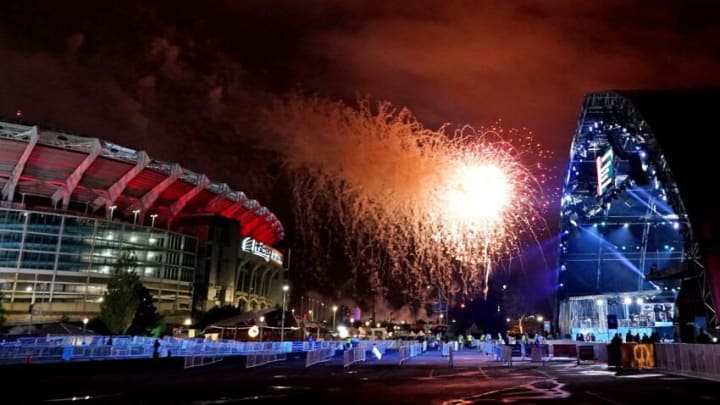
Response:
column 156, row 349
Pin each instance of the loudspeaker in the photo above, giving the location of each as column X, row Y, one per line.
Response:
column 612, row 321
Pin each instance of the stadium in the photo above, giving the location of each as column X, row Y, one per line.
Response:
column 71, row 206
column 638, row 228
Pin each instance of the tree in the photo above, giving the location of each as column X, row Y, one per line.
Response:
column 147, row 320
column 516, row 306
column 122, row 298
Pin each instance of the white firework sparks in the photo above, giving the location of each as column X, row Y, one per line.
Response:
column 413, row 206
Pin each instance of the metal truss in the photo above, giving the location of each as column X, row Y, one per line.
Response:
column 94, row 148
column 613, row 105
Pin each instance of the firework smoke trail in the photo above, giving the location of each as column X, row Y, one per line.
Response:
column 416, row 206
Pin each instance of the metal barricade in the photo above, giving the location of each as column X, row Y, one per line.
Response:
column 409, row 351
column 318, row 356
column 254, row 360
column 352, row 356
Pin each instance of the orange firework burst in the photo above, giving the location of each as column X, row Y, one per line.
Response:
column 415, row 207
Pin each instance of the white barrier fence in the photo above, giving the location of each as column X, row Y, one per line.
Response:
column 368, row 345
column 254, row 360
column 78, row 348
column 409, row 351
column 446, row 347
column 353, row 355
column 318, row 356
column 93, row 347
column 698, row 360
column 199, row 361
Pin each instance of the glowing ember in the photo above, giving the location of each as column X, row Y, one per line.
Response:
column 411, row 207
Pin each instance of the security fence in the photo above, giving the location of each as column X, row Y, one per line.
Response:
column 254, row 360
column 697, row 360
column 318, row 356
column 352, row 356
column 408, row 351
column 83, row 348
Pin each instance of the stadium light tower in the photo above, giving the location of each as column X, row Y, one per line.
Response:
column 285, row 289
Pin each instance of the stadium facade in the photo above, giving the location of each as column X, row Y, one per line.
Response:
column 71, row 206
column 638, row 252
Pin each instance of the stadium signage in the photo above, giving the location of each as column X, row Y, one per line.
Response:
column 250, row 245
column 605, row 172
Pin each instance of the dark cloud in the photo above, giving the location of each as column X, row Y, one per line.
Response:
column 527, row 62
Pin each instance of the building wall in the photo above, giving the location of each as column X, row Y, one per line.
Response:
column 227, row 275
column 61, row 263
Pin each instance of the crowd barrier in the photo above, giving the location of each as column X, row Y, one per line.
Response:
column 697, row 360
column 318, row 356
column 199, row 361
column 254, row 360
column 353, row 355
column 94, row 347
column 446, row 347
column 409, row 351
column 368, row 345
column 539, row 353
column 90, row 347
column 506, row 355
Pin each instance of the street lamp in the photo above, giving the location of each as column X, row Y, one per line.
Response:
column 135, row 215
column 285, row 289
column 334, row 308
column 152, row 220
column 311, row 314
column 262, row 319
column 85, row 322
column 112, row 210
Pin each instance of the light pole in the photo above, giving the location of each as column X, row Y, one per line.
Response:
column 262, row 319
column 282, row 324
column 85, row 322
column 152, row 220
column 112, row 210
column 627, row 303
column 135, row 215
column 334, row 308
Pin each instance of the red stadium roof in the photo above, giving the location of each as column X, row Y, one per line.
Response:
column 70, row 169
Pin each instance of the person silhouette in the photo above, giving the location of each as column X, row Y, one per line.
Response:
column 156, row 349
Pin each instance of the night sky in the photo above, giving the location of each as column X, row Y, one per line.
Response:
column 181, row 79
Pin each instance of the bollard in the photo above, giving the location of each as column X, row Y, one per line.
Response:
column 450, row 355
